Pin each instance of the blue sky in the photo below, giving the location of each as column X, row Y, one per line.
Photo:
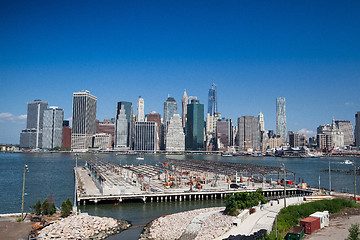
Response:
column 255, row 51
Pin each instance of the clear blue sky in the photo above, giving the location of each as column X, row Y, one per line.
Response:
column 255, row 51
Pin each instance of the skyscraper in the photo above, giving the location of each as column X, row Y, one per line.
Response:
column 170, row 108
column 212, row 100
column 31, row 137
column 146, row 137
column 66, row 139
column 194, row 139
column 175, row 137
column 184, row 108
column 224, row 134
column 83, row 120
column 357, row 129
column 140, row 110
column 346, row 127
column 155, row 117
column 248, row 133
column 261, row 122
column 281, row 118
column 124, row 125
column 52, row 128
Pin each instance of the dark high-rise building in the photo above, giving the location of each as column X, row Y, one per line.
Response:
column 281, row 118
column 212, row 100
column 248, row 131
column 357, row 129
column 224, row 134
column 124, row 124
column 296, row 140
column 155, row 117
column 170, row 108
column 194, row 139
column 31, row 137
column 83, row 120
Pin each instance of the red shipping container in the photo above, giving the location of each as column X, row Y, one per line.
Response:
column 310, row 224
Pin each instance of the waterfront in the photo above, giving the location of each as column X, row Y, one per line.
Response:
column 52, row 173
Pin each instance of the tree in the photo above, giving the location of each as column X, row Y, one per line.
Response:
column 45, row 207
column 354, row 232
column 51, row 205
column 66, row 207
column 37, row 207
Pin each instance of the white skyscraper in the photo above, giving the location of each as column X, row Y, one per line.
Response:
column 261, row 122
column 83, row 120
column 175, row 137
column 281, row 118
column 52, row 128
column 140, row 110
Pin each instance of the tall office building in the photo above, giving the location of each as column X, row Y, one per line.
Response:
column 346, row 127
column 263, row 135
column 83, row 120
column 194, row 139
column 261, row 122
column 155, row 117
column 184, row 108
column 124, row 123
column 224, row 134
column 66, row 139
column 31, row 137
column 52, row 128
column 281, row 118
column 175, row 137
column 146, row 136
column 170, row 108
column 248, row 133
column 357, row 129
column 140, row 110
column 212, row 100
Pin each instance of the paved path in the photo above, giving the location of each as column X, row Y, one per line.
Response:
column 262, row 219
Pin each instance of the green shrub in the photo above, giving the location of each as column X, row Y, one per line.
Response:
column 66, row 207
column 45, row 207
column 353, row 232
column 243, row 200
column 37, row 207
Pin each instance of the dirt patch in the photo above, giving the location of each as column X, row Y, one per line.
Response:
column 14, row 230
column 339, row 225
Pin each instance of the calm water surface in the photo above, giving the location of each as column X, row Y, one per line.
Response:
column 52, row 173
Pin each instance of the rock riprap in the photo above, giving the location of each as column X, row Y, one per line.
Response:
column 83, row 226
column 175, row 225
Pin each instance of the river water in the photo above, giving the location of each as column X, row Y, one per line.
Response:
column 52, row 173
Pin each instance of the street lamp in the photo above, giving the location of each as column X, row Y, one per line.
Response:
column 354, row 163
column 283, row 166
column 26, row 169
column 76, row 158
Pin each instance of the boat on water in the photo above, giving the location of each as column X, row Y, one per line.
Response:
column 139, row 158
column 226, row 154
column 348, row 162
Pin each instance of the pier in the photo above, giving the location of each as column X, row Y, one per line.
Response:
column 177, row 180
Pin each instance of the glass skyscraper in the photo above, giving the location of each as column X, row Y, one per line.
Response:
column 281, row 118
column 212, row 100
column 194, row 139
column 124, row 125
column 170, row 108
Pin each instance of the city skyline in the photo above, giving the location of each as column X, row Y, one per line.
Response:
column 308, row 53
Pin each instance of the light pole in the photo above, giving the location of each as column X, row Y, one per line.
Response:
column 75, row 208
column 283, row 165
column 23, row 192
column 329, row 178
column 354, row 180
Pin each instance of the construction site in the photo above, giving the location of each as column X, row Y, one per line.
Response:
column 178, row 180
